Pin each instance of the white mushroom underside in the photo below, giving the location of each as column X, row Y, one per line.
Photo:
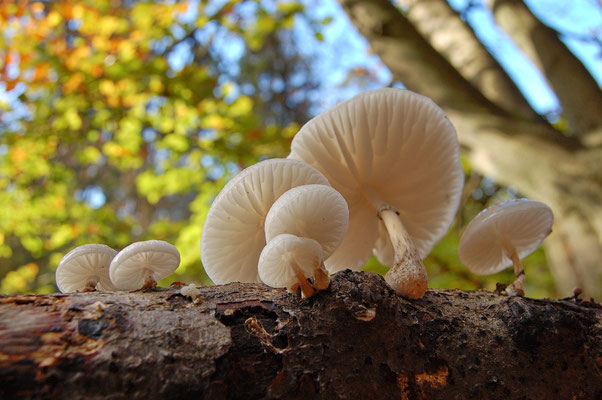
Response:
column 317, row 212
column 233, row 235
column 281, row 253
column 135, row 263
column 84, row 264
column 522, row 224
column 375, row 148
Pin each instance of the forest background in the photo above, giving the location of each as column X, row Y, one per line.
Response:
column 120, row 121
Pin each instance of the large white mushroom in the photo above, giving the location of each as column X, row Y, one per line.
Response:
column 394, row 156
column 502, row 235
column 233, row 235
column 85, row 268
column 309, row 222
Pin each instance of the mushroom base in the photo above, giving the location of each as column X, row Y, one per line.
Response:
column 516, row 288
column 149, row 282
column 408, row 275
column 321, row 281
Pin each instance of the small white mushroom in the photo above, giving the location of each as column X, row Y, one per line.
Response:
column 191, row 291
column 316, row 212
column 288, row 260
column 85, row 268
column 233, row 235
column 142, row 264
column 394, row 156
column 503, row 235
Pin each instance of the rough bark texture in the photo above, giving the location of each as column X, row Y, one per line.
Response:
column 530, row 155
column 356, row 340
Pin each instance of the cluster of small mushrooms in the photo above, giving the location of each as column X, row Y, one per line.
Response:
column 99, row 267
column 379, row 173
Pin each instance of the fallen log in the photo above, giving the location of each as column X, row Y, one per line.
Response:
column 356, row 340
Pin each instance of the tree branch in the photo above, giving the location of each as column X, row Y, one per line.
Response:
column 411, row 58
column 453, row 38
column 357, row 339
column 414, row 62
column 576, row 89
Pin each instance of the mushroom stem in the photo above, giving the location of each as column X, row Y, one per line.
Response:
column 91, row 285
column 408, row 275
column 516, row 287
column 294, row 289
column 321, row 279
column 149, row 281
column 306, row 289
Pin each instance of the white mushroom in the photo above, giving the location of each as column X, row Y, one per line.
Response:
column 394, row 156
column 233, row 236
column 85, row 268
column 316, row 212
column 142, row 264
column 191, row 291
column 287, row 261
column 504, row 234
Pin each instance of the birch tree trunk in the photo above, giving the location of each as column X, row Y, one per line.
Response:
column 356, row 340
column 431, row 50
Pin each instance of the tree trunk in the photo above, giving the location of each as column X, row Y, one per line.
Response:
column 527, row 154
column 356, row 340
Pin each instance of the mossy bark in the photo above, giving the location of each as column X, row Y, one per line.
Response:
column 356, row 340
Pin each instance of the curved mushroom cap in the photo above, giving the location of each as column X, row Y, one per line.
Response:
column 131, row 266
column 386, row 146
column 487, row 242
column 278, row 256
column 233, row 236
column 85, row 264
column 317, row 212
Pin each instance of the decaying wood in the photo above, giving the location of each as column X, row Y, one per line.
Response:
column 356, row 340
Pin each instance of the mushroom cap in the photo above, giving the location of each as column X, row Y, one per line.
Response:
column 386, row 146
column 128, row 268
column 487, row 242
column 317, row 212
column 233, row 236
column 83, row 264
column 277, row 256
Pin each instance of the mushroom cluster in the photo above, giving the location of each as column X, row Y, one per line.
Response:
column 99, row 267
column 392, row 158
column 302, row 229
column 275, row 222
column 233, row 235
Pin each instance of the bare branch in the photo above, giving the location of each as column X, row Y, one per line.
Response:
column 576, row 89
column 414, row 62
column 356, row 340
column 411, row 58
column 453, row 38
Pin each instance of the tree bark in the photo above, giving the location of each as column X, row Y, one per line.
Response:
column 453, row 38
column 531, row 156
column 576, row 89
column 356, row 340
